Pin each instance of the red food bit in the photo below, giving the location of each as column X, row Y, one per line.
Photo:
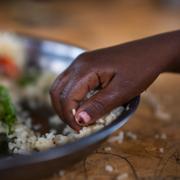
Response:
column 8, row 67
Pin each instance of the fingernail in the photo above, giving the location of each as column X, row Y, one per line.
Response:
column 83, row 118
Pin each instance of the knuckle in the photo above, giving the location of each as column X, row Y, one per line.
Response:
column 64, row 97
column 52, row 94
column 96, row 108
column 51, row 91
column 82, row 63
column 83, row 58
column 99, row 105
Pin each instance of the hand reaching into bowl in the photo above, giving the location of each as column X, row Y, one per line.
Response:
column 120, row 73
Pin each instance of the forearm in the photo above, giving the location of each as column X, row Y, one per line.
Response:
column 161, row 52
column 121, row 72
column 175, row 67
column 166, row 48
column 162, row 49
column 173, row 40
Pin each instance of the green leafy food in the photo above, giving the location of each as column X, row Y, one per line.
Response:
column 7, row 109
column 28, row 78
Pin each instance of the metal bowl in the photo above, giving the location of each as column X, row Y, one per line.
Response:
column 53, row 56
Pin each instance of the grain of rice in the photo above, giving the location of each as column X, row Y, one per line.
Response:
column 61, row 173
column 163, row 136
column 60, row 139
column 55, row 121
column 131, row 135
column 107, row 149
column 122, row 176
column 161, row 150
column 119, row 138
column 158, row 109
column 109, row 168
column 37, row 127
column 74, row 112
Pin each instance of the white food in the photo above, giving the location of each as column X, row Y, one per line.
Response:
column 107, row 149
column 122, row 176
column 161, row 150
column 73, row 112
column 161, row 136
column 119, row 138
column 131, row 135
column 158, row 108
column 24, row 140
column 61, row 173
column 109, row 168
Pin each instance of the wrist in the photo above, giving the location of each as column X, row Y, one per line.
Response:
column 174, row 63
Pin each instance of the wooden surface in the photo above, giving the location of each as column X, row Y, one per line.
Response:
column 155, row 153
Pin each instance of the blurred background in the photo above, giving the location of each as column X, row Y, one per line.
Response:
column 90, row 23
column 95, row 24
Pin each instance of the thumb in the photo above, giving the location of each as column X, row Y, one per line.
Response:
column 97, row 106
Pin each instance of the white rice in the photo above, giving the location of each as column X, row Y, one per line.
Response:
column 122, row 176
column 24, row 140
column 55, row 120
column 158, row 108
column 109, row 168
column 37, row 127
column 74, row 112
column 119, row 138
column 131, row 135
column 61, row 173
column 162, row 136
column 161, row 150
column 108, row 149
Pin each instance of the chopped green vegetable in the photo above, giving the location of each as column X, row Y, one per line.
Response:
column 7, row 109
column 28, row 78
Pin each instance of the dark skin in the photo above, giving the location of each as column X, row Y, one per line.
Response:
column 120, row 72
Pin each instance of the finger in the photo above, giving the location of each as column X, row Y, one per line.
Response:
column 68, row 116
column 95, row 107
column 100, row 104
column 60, row 78
column 73, row 93
column 76, row 91
column 55, row 92
column 80, row 86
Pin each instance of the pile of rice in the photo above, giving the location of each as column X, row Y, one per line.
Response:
column 24, row 140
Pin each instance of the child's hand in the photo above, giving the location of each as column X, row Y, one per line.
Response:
column 121, row 72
